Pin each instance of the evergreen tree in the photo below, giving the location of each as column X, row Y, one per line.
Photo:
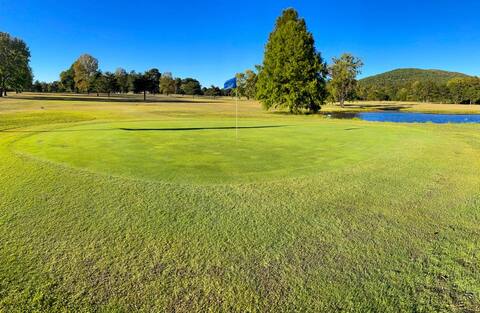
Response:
column 293, row 72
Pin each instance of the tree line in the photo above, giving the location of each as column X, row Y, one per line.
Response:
column 83, row 76
column 458, row 90
column 123, row 82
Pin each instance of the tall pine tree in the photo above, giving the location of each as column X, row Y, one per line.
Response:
column 293, row 75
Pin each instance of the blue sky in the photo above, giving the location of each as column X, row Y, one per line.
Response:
column 212, row 40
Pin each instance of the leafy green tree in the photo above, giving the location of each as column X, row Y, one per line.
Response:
column 474, row 90
column 37, row 86
column 67, row 79
column 167, row 84
column 54, row 86
column 293, row 72
column 141, row 83
column 228, row 93
column 111, row 82
column 121, row 76
column 251, row 79
column 246, row 84
column 191, row 87
column 99, row 83
column 23, row 81
column 85, row 69
column 458, row 89
column 213, row 91
column 344, row 71
column 152, row 77
column 132, row 76
column 402, row 94
column 15, row 71
column 178, row 86
column 105, row 83
column 424, row 91
column 146, row 82
column 241, row 84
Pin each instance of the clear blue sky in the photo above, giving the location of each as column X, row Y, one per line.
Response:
column 211, row 40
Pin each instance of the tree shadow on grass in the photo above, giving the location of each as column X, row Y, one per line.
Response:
column 13, row 130
column 141, row 129
column 201, row 128
column 103, row 99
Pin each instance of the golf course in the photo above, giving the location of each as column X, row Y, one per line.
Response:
column 112, row 204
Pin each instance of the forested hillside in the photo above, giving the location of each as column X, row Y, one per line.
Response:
column 410, row 75
column 420, row 85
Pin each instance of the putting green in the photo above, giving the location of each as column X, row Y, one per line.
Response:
column 193, row 151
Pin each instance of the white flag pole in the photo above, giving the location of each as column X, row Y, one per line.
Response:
column 236, row 113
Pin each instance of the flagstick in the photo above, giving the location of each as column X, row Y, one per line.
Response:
column 236, row 115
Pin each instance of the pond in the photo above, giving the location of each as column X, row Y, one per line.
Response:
column 408, row 117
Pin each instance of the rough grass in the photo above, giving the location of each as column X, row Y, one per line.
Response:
column 322, row 215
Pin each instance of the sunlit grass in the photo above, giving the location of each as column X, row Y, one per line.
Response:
column 316, row 215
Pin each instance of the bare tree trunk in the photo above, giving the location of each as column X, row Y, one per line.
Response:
column 1, row 92
column 144, row 95
column 4, row 89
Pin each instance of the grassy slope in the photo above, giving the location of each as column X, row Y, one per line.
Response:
column 395, row 230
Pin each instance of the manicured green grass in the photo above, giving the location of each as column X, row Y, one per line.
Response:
column 119, row 207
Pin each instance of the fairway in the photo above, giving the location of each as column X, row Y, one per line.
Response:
column 117, row 206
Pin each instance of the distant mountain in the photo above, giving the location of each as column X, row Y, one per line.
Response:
column 406, row 76
column 410, row 84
